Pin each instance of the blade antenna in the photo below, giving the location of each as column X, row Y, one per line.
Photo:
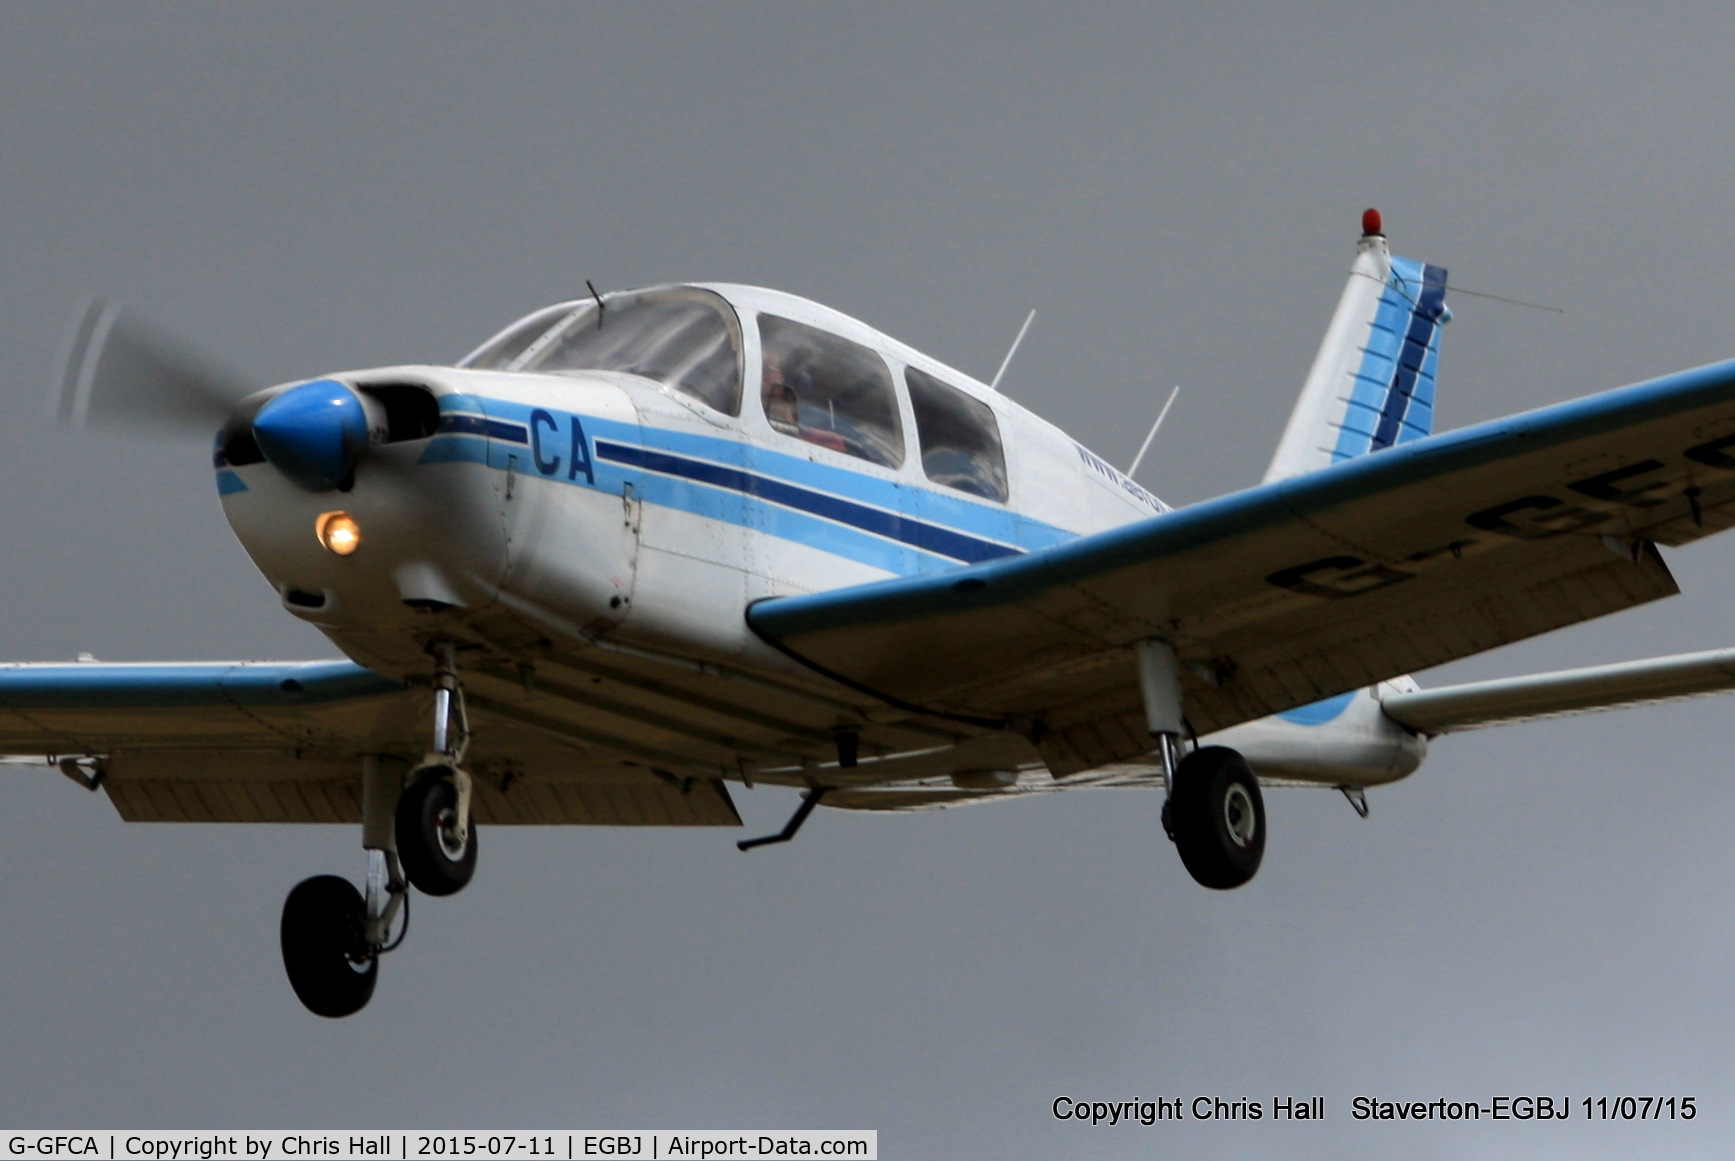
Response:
column 1013, row 350
column 1146, row 446
column 600, row 305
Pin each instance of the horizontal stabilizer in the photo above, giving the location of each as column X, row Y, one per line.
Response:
column 1454, row 708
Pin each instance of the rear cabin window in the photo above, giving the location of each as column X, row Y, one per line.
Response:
column 959, row 436
column 687, row 340
column 827, row 390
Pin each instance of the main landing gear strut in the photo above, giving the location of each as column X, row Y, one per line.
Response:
column 1213, row 812
column 416, row 830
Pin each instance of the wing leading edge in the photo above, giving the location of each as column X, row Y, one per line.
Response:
column 1287, row 593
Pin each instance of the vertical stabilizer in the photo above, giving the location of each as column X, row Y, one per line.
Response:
column 1372, row 383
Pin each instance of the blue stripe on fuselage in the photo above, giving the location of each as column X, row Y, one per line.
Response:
column 479, row 425
column 882, row 522
column 1319, row 713
column 877, row 521
column 891, row 525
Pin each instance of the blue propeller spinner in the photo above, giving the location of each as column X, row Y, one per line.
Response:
column 313, row 434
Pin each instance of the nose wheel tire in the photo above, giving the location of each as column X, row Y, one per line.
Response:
column 437, row 858
column 1217, row 818
column 330, row 966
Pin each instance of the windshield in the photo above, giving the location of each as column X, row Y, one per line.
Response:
column 685, row 339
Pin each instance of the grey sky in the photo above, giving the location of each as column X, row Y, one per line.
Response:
column 305, row 188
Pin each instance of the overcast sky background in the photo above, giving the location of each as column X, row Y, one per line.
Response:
column 307, row 188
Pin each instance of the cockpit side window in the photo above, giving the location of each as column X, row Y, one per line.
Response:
column 827, row 390
column 959, row 436
column 687, row 339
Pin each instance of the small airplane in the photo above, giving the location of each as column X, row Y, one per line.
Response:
column 642, row 545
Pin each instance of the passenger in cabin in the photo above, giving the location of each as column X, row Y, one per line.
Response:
column 788, row 376
column 824, row 389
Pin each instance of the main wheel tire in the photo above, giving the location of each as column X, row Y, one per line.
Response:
column 434, row 857
column 325, row 952
column 1218, row 818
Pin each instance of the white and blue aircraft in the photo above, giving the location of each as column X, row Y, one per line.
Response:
column 639, row 546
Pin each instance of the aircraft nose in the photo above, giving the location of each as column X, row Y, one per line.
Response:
column 313, row 433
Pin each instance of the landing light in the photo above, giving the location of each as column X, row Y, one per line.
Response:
column 338, row 531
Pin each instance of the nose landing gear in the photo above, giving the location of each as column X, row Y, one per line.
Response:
column 435, row 840
column 332, row 936
column 434, row 835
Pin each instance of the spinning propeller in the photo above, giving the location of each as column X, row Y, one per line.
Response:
column 120, row 371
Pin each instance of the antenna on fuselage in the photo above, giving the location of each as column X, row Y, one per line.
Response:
column 1013, row 350
column 1146, row 446
column 600, row 305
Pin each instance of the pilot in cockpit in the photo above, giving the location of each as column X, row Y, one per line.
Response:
column 782, row 408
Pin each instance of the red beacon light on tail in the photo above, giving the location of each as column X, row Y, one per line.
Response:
column 1371, row 224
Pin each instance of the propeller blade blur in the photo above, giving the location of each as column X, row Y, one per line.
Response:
column 122, row 372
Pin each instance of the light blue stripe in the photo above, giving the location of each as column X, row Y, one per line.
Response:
column 685, row 495
column 993, row 523
column 1376, row 377
column 162, row 686
column 1320, row 712
column 989, row 521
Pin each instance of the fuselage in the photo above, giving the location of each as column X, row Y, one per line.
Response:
column 642, row 473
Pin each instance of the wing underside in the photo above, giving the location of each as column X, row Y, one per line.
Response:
column 276, row 742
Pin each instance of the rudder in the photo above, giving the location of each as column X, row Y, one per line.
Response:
column 1372, row 383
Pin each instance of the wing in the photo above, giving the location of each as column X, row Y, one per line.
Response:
column 1452, row 708
column 283, row 742
column 1299, row 590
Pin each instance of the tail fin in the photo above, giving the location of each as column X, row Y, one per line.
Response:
column 1372, row 383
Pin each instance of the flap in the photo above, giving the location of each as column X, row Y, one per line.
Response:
column 282, row 742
